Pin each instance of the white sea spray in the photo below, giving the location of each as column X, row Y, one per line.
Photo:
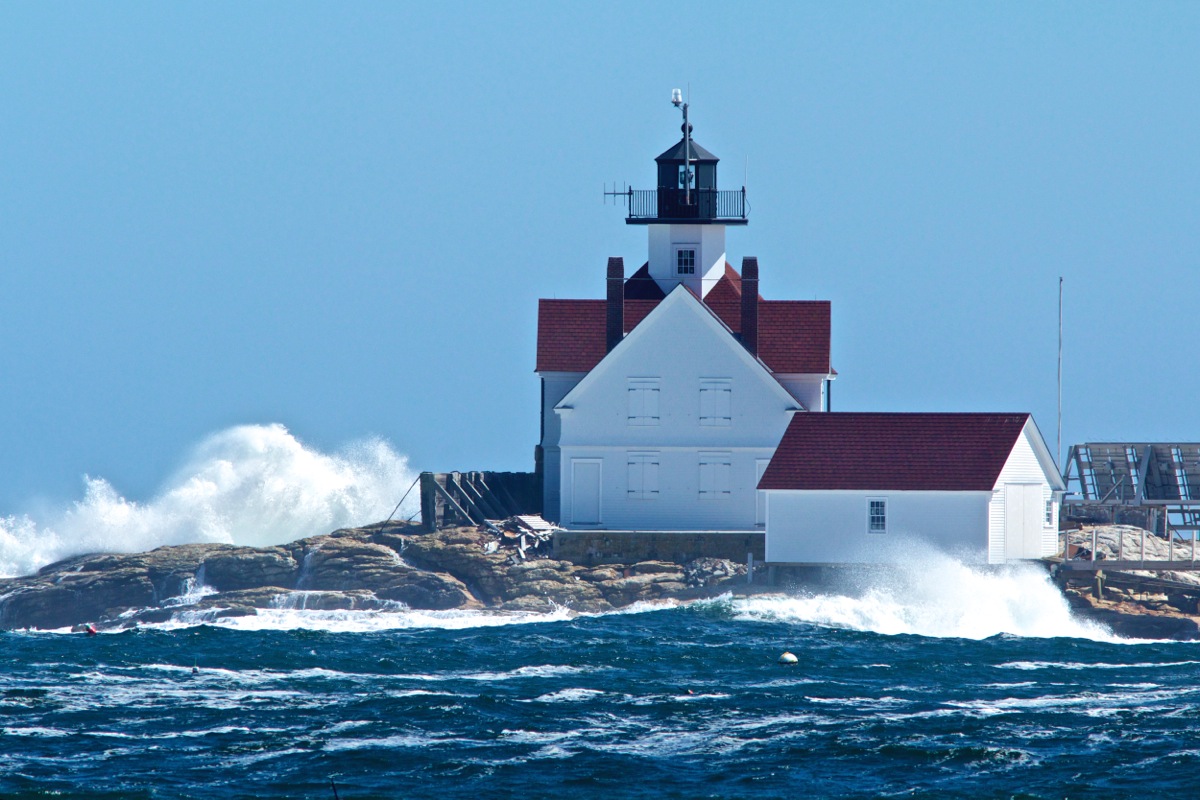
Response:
column 932, row 594
column 250, row 485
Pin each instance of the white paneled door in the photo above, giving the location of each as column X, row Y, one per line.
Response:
column 1023, row 516
column 585, row 491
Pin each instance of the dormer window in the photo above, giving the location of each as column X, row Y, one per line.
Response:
column 685, row 261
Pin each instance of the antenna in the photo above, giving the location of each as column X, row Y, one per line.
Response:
column 1058, row 451
column 625, row 193
column 678, row 102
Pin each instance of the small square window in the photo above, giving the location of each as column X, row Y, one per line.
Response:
column 877, row 516
column 685, row 262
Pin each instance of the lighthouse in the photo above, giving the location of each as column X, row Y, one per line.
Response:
column 662, row 403
column 686, row 214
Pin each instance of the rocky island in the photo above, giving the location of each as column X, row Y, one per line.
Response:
column 377, row 567
column 1139, row 604
column 392, row 566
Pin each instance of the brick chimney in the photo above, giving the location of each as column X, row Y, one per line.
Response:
column 750, row 304
column 614, row 316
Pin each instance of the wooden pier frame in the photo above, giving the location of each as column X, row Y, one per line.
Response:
column 1153, row 485
column 472, row 498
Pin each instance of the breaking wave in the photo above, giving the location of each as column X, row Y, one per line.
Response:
column 250, row 485
column 933, row 595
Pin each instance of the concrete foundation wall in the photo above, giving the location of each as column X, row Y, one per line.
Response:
column 588, row 548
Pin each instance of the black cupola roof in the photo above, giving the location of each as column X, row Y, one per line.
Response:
column 696, row 154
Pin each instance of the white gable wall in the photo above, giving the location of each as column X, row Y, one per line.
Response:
column 679, row 350
column 830, row 527
column 1023, row 467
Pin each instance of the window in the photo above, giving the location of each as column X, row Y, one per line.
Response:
column 643, row 476
column 714, row 475
column 1050, row 513
column 876, row 515
column 643, row 401
column 685, row 261
column 714, row 402
column 687, row 177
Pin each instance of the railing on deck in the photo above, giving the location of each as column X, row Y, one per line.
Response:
column 1130, row 558
column 699, row 204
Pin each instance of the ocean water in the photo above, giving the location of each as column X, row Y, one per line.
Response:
column 672, row 701
column 932, row 680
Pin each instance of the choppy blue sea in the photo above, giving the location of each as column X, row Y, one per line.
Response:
column 891, row 697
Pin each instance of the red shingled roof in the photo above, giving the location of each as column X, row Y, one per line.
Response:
column 793, row 336
column 570, row 335
column 896, row 452
column 725, row 299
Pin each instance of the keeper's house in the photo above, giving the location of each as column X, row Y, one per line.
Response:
column 663, row 403
column 845, row 488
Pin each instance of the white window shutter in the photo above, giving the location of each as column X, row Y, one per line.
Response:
column 651, row 403
column 722, row 477
column 721, row 404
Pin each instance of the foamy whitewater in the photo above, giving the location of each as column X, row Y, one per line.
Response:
column 963, row 602
column 251, row 485
column 937, row 595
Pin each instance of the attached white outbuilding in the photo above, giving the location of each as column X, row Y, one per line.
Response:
column 846, row 488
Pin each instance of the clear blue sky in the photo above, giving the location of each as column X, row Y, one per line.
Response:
column 339, row 217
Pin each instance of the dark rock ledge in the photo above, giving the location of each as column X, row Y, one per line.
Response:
column 374, row 567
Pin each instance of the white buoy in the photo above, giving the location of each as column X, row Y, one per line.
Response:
column 788, row 658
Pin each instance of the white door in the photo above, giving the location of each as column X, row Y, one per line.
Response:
column 1023, row 510
column 585, row 491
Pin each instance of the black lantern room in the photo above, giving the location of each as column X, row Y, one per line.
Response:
column 687, row 182
column 687, row 191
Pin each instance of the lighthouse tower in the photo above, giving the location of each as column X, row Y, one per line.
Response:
column 686, row 215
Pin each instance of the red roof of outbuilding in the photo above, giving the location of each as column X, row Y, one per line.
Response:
column 793, row 336
column 897, row 452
